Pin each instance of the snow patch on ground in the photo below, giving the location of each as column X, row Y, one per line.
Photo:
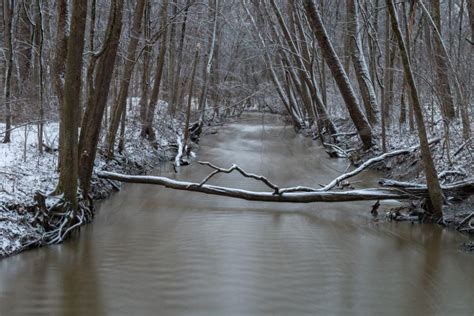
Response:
column 24, row 171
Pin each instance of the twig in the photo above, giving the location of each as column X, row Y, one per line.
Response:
column 465, row 221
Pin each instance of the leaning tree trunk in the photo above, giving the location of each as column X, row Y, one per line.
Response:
column 8, row 51
column 470, row 9
column 119, row 107
column 285, row 99
column 71, row 103
column 434, row 188
column 307, row 88
column 93, row 115
column 360, row 66
column 360, row 121
column 465, row 117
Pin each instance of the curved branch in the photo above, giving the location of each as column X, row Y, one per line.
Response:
column 238, row 169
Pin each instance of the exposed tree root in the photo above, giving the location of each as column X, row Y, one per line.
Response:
column 59, row 219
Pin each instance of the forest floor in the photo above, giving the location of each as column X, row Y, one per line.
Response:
column 24, row 171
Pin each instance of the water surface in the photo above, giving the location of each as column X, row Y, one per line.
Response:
column 155, row 251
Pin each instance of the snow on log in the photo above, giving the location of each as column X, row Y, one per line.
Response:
column 288, row 197
column 301, row 194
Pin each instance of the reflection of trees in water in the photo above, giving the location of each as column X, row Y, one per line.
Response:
column 80, row 280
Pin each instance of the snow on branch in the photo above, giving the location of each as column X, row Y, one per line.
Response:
column 238, row 169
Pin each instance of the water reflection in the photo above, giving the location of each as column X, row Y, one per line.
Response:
column 157, row 251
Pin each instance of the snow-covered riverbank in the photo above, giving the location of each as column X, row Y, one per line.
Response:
column 24, row 171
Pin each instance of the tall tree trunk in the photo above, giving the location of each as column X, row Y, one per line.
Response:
column 8, row 51
column 470, row 9
column 38, row 34
column 93, row 115
column 360, row 121
column 362, row 73
column 121, row 102
column 24, row 57
column 434, row 188
column 147, row 130
column 146, row 64
column 208, row 65
column 387, row 93
column 190, row 98
column 285, row 99
column 71, row 103
column 58, row 67
column 464, row 103
column 172, row 61
column 442, row 77
column 177, row 85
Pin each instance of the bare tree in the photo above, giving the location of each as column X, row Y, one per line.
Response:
column 118, row 109
column 68, row 175
column 93, row 115
column 8, row 49
column 147, row 130
column 434, row 188
column 360, row 66
column 360, row 121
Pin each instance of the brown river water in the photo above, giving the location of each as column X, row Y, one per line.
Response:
column 155, row 251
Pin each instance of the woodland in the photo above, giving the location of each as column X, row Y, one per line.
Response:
column 95, row 93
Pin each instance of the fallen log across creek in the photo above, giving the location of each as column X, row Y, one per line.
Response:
column 289, row 195
column 302, row 194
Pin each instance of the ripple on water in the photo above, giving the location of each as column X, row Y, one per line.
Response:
column 157, row 251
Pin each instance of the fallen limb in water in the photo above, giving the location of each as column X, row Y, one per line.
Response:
column 460, row 189
column 299, row 194
column 289, row 195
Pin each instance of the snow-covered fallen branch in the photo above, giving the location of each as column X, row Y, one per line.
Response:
column 288, row 195
column 298, row 194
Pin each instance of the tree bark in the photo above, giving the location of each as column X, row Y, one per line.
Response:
column 177, row 80
column 442, row 77
column 208, row 65
column 71, row 103
column 93, row 115
column 190, row 98
column 120, row 104
column 434, row 188
column 360, row 121
column 147, row 130
column 470, row 9
column 8, row 51
column 360, row 66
